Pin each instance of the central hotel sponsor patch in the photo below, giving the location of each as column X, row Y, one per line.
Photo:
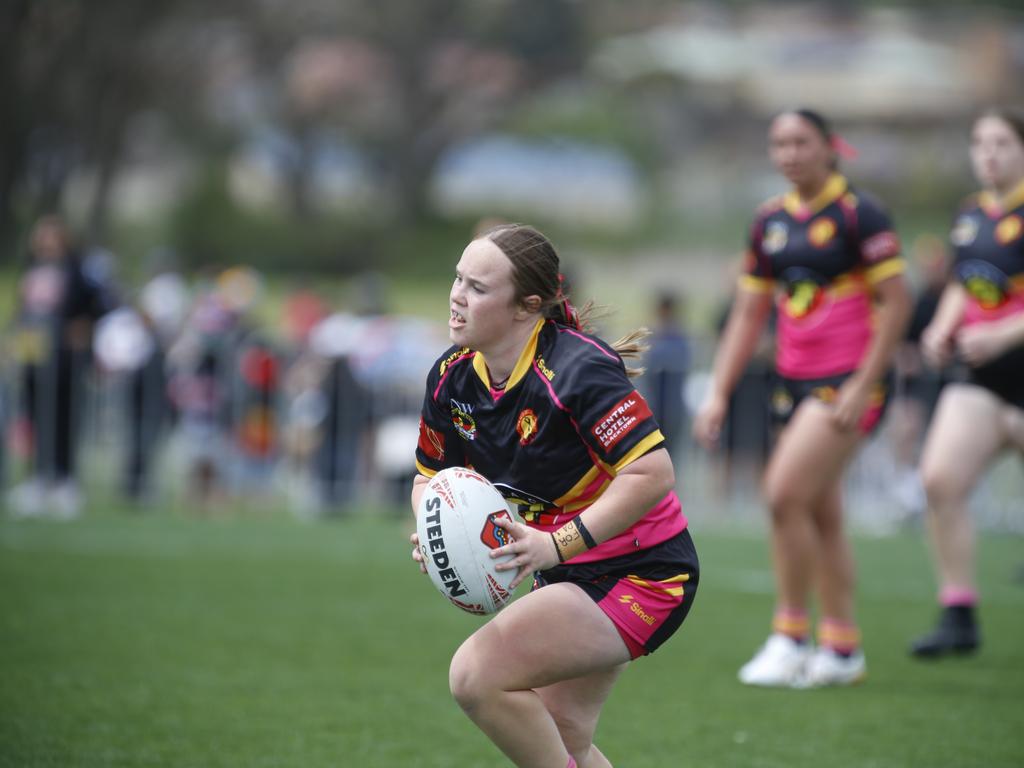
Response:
column 621, row 419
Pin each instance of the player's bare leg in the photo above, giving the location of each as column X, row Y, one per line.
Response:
column 576, row 706
column 548, row 636
column 835, row 572
column 806, row 465
column 964, row 438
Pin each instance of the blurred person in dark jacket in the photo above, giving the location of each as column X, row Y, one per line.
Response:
column 58, row 303
column 667, row 364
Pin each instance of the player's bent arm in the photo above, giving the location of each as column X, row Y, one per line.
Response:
column 419, row 484
column 742, row 331
column 635, row 489
column 894, row 308
column 937, row 337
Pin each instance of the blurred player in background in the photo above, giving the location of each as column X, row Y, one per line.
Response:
column 547, row 412
column 841, row 312
column 980, row 321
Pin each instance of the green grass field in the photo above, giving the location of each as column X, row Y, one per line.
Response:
column 157, row 640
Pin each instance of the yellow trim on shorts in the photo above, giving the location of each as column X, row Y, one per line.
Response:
column 682, row 578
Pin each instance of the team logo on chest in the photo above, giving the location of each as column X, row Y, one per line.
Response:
column 462, row 418
column 526, row 426
column 964, row 231
column 985, row 282
column 1009, row 229
column 821, row 232
column 776, row 235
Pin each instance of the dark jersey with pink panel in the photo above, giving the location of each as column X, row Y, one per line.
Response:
column 567, row 422
column 988, row 238
column 823, row 258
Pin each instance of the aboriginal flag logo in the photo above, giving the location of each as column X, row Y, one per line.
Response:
column 526, row 426
column 492, row 535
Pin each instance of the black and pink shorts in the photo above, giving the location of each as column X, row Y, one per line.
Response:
column 646, row 594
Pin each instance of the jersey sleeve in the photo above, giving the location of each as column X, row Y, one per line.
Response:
column 757, row 272
column 611, row 416
column 439, row 445
column 878, row 244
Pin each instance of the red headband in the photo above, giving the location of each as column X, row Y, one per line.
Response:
column 842, row 147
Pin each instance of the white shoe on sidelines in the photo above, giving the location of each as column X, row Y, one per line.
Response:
column 827, row 667
column 28, row 499
column 781, row 662
column 65, row 500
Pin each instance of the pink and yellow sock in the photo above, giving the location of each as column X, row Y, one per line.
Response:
column 843, row 637
column 957, row 596
column 791, row 622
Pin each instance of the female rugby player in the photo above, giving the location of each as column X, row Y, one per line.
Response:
column 842, row 308
column 980, row 321
column 547, row 412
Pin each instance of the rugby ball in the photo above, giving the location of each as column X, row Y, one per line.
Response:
column 455, row 521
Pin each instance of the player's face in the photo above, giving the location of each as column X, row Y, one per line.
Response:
column 997, row 154
column 482, row 297
column 799, row 151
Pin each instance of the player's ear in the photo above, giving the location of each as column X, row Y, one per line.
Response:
column 530, row 305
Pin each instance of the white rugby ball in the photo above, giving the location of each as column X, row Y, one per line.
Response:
column 456, row 526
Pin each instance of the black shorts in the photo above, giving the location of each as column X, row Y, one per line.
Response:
column 787, row 394
column 647, row 594
column 1004, row 376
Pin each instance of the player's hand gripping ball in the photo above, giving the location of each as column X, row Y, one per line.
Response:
column 457, row 531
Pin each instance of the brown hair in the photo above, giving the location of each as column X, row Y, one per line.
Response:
column 536, row 272
column 1012, row 117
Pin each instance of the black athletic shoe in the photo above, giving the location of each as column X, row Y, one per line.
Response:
column 957, row 632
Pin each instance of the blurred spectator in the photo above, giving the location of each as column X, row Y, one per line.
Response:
column 59, row 300
column 667, row 364
column 747, row 432
column 917, row 384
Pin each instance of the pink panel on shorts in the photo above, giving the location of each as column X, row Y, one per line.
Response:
column 638, row 608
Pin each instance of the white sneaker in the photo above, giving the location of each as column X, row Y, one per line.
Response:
column 65, row 500
column 780, row 662
column 827, row 667
column 28, row 499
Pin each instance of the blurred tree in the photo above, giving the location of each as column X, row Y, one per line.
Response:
column 73, row 74
column 406, row 80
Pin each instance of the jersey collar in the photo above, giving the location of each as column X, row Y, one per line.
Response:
column 835, row 187
column 522, row 364
column 997, row 206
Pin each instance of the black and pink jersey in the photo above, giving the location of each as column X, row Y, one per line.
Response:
column 567, row 422
column 988, row 238
column 826, row 255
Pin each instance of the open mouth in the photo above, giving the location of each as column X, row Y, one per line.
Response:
column 457, row 318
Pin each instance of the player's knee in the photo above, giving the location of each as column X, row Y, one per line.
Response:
column 942, row 486
column 466, row 678
column 782, row 500
column 577, row 735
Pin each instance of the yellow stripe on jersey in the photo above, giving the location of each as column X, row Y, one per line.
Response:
column 834, row 188
column 640, row 449
column 522, row 364
column 427, row 471
column 884, row 270
column 665, row 585
column 566, row 499
column 756, row 284
column 846, row 284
